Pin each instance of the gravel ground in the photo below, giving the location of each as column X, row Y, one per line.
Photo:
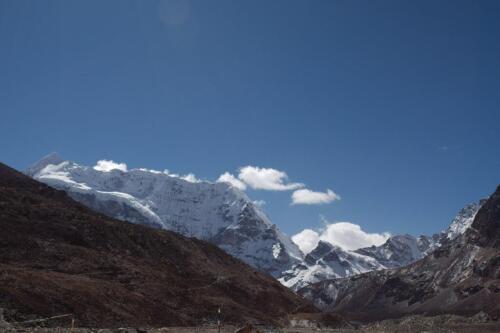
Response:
column 393, row 328
column 412, row 324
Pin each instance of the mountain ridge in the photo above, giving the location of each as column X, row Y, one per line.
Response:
column 225, row 216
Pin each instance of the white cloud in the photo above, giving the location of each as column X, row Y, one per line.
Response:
column 306, row 240
column 150, row 170
column 108, row 165
column 167, row 172
column 266, row 179
column 307, row 197
column 348, row 236
column 227, row 177
column 190, row 177
column 259, row 203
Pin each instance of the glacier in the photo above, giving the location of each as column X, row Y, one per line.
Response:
column 216, row 212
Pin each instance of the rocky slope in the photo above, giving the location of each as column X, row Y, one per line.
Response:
column 461, row 277
column 215, row 212
column 58, row 257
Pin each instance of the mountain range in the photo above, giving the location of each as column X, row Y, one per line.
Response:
column 328, row 261
column 462, row 277
column 225, row 216
column 59, row 256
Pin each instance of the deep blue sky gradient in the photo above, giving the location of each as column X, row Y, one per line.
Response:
column 395, row 105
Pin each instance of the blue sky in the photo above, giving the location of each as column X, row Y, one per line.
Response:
column 394, row 105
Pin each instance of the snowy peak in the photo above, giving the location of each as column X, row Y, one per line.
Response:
column 322, row 250
column 52, row 158
column 327, row 261
column 216, row 212
column 464, row 219
column 397, row 251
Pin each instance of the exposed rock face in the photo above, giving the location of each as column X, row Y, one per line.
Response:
column 397, row 251
column 215, row 212
column 58, row 257
column 485, row 230
column 460, row 277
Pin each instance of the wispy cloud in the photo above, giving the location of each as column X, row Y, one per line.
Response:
column 444, row 148
column 190, row 177
column 448, row 148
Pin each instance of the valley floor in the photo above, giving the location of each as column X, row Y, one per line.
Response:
column 411, row 324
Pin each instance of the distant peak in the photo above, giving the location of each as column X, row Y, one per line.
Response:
column 52, row 158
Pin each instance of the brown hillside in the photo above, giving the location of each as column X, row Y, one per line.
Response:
column 57, row 257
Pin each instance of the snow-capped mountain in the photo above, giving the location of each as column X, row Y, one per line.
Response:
column 397, row 251
column 327, row 261
column 216, row 212
column 461, row 277
column 463, row 220
column 224, row 215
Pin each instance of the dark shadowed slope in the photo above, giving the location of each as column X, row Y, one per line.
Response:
column 57, row 256
column 462, row 277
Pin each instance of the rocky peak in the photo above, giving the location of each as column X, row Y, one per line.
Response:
column 322, row 249
column 52, row 158
column 463, row 220
column 486, row 225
